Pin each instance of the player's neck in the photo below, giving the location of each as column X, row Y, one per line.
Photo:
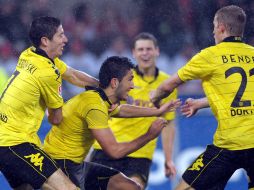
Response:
column 111, row 95
column 150, row 71
column 47, row 52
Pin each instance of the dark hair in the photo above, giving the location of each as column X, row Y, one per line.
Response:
column 234, row 19
column 145, row 36
column 43, row 27
column 114, row 67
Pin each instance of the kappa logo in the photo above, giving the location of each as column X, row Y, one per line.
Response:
column 198, row 164
column 36, row 160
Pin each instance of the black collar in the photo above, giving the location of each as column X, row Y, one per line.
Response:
column 101, row 93
column 233, row 39
column 156, row 74
column 41, row 52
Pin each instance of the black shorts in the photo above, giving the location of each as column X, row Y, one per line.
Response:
column 96, row 179
column 97, row 176
column 74, row 171
column 26, row 164
column 214, row 167
column 127, row 165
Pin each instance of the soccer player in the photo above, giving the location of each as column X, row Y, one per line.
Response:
column 34, row 86
column 85, row 118
column 226, row 71
column 147, row 77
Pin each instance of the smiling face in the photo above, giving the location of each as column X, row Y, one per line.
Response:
column 124, row 86
column 56, row 45
column 145, row 52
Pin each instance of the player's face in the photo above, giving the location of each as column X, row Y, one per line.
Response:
column 217, row 31
column 125, row 86
column 145, row 52
column 57, row 43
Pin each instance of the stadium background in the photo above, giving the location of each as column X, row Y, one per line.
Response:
column 100, row 28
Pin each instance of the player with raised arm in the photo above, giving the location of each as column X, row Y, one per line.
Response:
column 147, row 77
column 85, row 118
column 226, row 71
column 34, row 86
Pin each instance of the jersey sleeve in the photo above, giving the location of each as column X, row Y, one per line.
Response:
column 199, row 67
column 62, row 67
column 97, row 119
column 50, row 89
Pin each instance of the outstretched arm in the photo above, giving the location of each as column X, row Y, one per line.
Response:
column 116, row 150
column 128, row 111
column 168, row 136
column 165, row 89
column 191, row 106
column 79, row 78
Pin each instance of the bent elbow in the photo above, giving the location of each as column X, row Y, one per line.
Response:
column 55, row 120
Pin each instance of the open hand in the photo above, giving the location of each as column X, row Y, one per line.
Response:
column 190, row 107
column 170, row 106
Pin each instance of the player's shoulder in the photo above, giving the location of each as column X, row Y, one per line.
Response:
column 87, row 98
column 209, row 50
column 93, row 98
column 206, row 53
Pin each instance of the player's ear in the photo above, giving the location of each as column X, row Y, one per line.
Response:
column 222, row 27
column 44, row 41
column 114, row 82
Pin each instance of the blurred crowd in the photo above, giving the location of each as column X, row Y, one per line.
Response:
column 97, row 29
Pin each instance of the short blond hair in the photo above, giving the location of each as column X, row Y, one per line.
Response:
column 234, row 19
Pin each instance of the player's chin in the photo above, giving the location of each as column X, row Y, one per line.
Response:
column 60, row 52
column 124, row 97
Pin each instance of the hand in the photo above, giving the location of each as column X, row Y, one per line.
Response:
column 154, row 99
column 170, row 170
column 156, row 128
column 190, row 107
column 112, row 108
column 170, row 106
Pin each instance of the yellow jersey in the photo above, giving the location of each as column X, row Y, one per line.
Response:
column 128, row 129
column 35, row 85
column 72, row 139
column 3, row 79
column 227, row 74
